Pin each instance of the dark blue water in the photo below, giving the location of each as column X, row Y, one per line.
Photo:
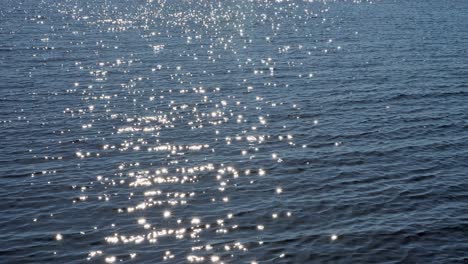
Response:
column 233, row 131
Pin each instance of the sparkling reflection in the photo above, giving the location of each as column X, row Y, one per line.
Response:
column 186, row 142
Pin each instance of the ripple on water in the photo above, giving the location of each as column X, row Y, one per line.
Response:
column 227, row 131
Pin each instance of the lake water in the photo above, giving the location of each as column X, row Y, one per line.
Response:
column 233, row 131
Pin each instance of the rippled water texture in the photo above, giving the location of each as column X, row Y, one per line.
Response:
column 233, row 131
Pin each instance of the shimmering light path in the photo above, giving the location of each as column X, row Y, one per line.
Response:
column 233, row 131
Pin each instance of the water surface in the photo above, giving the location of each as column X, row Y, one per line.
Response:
column 233, row 131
